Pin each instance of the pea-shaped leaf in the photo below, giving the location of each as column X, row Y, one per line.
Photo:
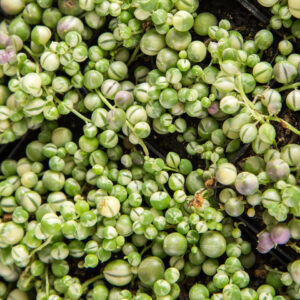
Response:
column 151, row 269
column 118, row 272
column 279, row 211
column 212, row 244
column 296, row 209
column 175, row 244
column 293, row 100
column 224, row 84
column 270, row 197
column 267, row 3
column 226, row 173
column 291, row 154
column 109, row 206
column 285, row 72
column 295, row 271
column 248, row 133
column 294, row 8
column 267, row 133
column 290, row 196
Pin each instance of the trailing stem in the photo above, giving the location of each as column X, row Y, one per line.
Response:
column 260, row 117
column 91, row 280
column 74, row 111
column 289, row 87
column 134, row 53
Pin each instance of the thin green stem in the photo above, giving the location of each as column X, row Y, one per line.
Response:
column 83, row 188
column 26, row 271
column 295, row 247
column 273, row 270
column 207, row 163
column 18, row 74
column 285, row 124
column 135, row 52
column 166, row 168
column 261, row 53
column 259, row 117
column 246, row 100
column 83, row 15
column 41, row 246
column 91, row 280
column 290, row 37
column 28, row 280
column 74, row 111
column 145, row 249
column 34, row 56
column 170, row 227
column 141, row 142
column 46, row 91
column 37, row 69
column 104, row 100
column 289, row 87
column 30, row 51
column 164, row 189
